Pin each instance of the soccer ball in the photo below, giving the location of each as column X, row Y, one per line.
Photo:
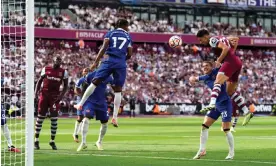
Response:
column 175, row 41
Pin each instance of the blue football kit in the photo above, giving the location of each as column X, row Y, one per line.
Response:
column 115, row 63
column 96, row 104
column 79, row 85
column 223, row 104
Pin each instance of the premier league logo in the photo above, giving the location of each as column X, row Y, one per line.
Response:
column 59, row 74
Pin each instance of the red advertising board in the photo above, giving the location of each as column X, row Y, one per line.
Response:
column 136, row 37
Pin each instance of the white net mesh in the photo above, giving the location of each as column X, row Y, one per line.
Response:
column 13, row 72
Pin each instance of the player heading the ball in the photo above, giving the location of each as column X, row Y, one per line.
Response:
column 117, row 48
column 230, row 68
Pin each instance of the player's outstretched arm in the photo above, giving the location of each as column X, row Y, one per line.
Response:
column 65, row 88
column 77, row 91
column 101, row 53
column 234, row 41
column 129, row 52
column 224, row 52
column 39, row 82
column 193, row 80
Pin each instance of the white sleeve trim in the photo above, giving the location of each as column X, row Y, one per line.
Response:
column 43, row 72
column 65, row 75
column 76, row 85
column 129, row 45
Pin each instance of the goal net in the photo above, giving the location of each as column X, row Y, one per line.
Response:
column 17, row 82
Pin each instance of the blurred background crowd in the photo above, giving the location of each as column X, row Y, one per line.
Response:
column 104, row 19
column 156, row 73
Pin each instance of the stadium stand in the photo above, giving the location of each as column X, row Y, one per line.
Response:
column 105, row 18
column 157, row 65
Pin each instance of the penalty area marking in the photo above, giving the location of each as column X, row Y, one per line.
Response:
column 161, row 158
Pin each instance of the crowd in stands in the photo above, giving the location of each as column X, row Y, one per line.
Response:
column 105, row 19
column 156, row 73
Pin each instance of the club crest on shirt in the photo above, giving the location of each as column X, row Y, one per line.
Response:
column 59, row 74
column 87, row 111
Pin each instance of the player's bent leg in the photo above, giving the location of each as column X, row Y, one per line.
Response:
column 102, row 133
column 90, row 89
column 119, row 76
column 234, row 123
column 54, row 126
column 117, row 103
column 38, row 125
column 220, row 79
column 102, row 73
column 208, row 121
column 239, row 101
column 6, row 132
column 230, row 140
column 77, row 128
column 84, row 130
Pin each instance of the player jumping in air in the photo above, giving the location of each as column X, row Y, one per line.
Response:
column 117, row 49
column 95, row 105
column 6, row 131
column 78, row 92
column 223, row 108
column 229, row 71
column 49, row 98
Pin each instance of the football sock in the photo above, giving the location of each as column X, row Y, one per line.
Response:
column 7, row 134
column 77, row 127
column 235, row 121
column 38, row 126
column 215, row 93
column 203, row 138
column 90, row 89
column 117, row 103
column 85, row 127
column 230, row 140
column 239, row 100
column 53, row 128
column 102, row 132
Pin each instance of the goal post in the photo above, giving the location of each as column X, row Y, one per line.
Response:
column 17, row 83
column 29, row 123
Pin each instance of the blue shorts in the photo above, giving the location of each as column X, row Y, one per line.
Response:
column 79, row 112
column 223, row 109
column 108, row 68
column 99, row 110
column 3, row 118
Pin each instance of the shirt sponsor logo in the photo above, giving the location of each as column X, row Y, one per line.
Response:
column 53, row 78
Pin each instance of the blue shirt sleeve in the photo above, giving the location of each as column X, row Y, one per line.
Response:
column 203, row 77
column 215, row 71
column 89, row 78
column 78, row 84
column 107, row 35
column 130, row 42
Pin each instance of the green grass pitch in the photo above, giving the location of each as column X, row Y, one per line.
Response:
column 160, row 142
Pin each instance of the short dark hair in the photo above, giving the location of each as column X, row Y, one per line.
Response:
column 209, row 62
column 122, row 23
column 202, row 33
